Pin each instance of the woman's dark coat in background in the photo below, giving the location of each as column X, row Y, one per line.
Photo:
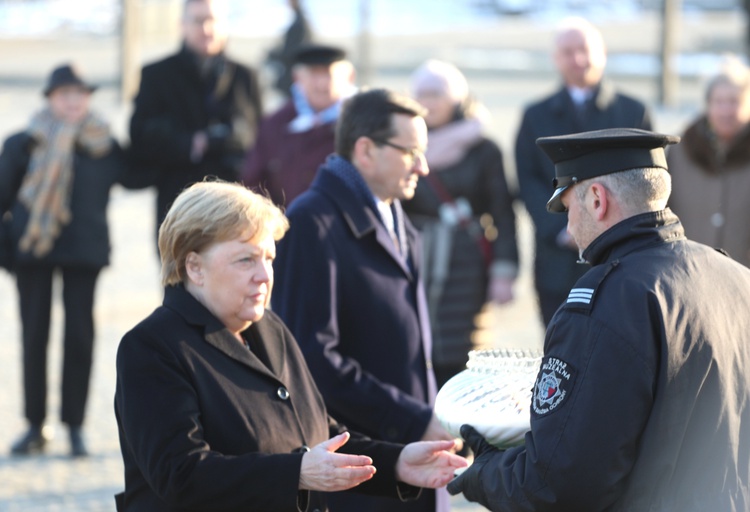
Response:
column 457, row 270
column 710, row 189
column 85, row 240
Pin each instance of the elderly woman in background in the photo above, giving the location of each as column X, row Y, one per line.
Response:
column 55, row 180
column 711, row 167
column 215, row 405
column 465, row 213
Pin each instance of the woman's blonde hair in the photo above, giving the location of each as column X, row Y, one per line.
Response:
column 210, row 212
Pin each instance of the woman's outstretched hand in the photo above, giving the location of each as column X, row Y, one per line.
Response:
column 325, row 470
column 428, row 464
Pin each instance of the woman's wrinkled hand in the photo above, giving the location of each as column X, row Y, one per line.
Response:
column 325, row 470
column 428, row 463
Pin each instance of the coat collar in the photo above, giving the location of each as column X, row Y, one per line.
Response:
column 179, row 300
column 362, row 219
column 634, row 233
column 604, row 96
column 699, row 144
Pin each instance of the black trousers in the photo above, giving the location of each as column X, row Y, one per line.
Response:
column 34, row 284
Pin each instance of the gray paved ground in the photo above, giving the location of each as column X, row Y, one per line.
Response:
column 128, row 289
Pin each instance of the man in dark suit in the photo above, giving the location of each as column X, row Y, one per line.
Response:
column 197, row 111
column 297, row 138
column 348, row 283
column 584, row 102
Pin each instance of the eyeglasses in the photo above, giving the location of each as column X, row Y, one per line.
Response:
column 414, row 154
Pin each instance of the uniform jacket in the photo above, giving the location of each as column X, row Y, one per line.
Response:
column 85, row 240
column 206, row 424
column 641, row 403
column 555, row 267
column 709, row 189
column 285, row 162
column 358, row 311
column 478, row 178
column 174, row 102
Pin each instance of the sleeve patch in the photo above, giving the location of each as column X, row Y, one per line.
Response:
column 553, row 386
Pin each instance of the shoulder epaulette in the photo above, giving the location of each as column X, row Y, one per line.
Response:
column 582, row 296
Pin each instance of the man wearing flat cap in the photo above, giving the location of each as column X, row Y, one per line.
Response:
column 294, row 141
column 642, row 401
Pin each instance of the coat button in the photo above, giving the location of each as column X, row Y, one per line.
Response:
column 282, row 393
column 428, row 364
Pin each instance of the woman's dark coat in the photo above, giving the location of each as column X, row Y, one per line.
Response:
column 206, row 424
column 479, row 178
column 85, row 240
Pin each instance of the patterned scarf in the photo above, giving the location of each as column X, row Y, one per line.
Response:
column 46, row 187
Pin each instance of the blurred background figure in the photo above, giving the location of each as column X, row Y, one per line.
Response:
column 197, row 111
column 711, row 167
column 281, row 58
column 464, row 211
column 585, row 102
column 294, row 141
column 55, row 178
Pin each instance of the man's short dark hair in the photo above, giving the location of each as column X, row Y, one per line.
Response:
column 369, row 114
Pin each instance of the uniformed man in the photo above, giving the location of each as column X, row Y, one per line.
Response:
column 642, row 402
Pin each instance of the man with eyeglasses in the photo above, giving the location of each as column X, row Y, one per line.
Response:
column 197, row 112
column 348, row 283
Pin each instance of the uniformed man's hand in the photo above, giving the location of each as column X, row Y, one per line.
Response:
column 324, row 470
column 468, row 482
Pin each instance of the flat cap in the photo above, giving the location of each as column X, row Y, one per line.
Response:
column 581, row 156
column 319, row 54
column 66, row 74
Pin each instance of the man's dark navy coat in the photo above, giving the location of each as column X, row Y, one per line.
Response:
column 358, row 311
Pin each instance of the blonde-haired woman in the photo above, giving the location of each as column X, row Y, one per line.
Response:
column 711, row 166
column 216, row 407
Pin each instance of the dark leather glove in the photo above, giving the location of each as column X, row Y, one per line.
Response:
column 468, row 482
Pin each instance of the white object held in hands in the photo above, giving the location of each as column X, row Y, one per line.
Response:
column 493, row 395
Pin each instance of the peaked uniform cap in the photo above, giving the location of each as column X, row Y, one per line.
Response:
column 582, row 156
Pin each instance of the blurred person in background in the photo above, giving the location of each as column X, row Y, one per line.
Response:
column 197, row 111
column 464, row 211
column 711, row 168
column 55, row 179
column 585, row 101
column 281, row 58
column 294, row 141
